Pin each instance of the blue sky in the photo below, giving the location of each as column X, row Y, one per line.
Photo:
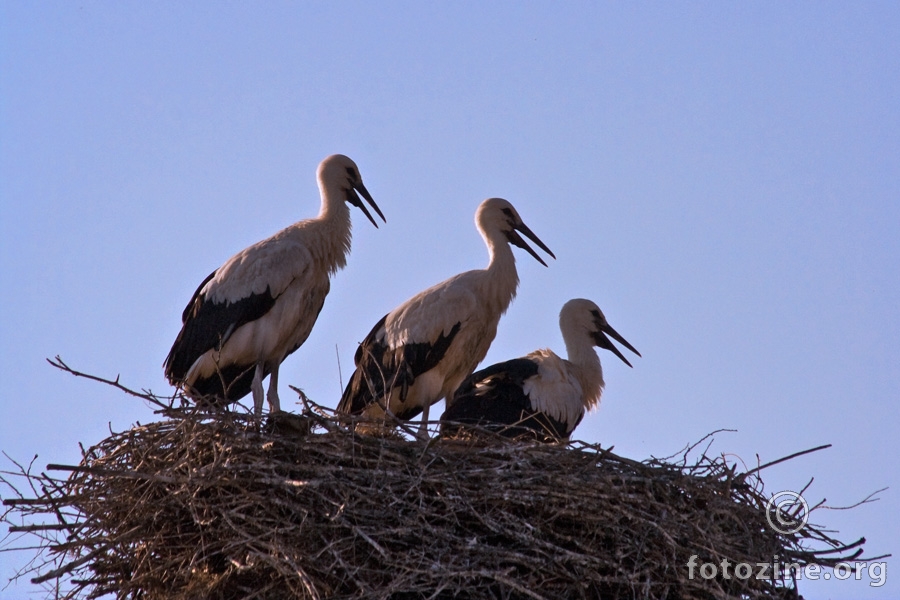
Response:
column 721, row 179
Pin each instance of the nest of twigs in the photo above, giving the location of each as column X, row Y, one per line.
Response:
column 224, row 505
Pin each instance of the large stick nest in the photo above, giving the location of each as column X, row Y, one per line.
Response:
column 223, row 505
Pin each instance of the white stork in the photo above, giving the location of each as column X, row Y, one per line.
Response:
column 423, row 349
column 261, row 305
column 540, row 395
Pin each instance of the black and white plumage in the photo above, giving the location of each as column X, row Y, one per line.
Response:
column 540, row 395
column 261, row 305
column 422, row 350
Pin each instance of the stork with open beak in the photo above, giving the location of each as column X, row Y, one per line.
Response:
column 422, row 350
column 540, row 395
column 260, row 306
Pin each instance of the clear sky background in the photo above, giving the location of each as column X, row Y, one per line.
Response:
column 722, row 179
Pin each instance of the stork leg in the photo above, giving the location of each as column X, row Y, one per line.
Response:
column 272, row 396
column 257, row 388
column 423, row 426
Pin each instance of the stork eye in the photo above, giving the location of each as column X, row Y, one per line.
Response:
column 510, row 217
column 352, row 173
column 596, row 314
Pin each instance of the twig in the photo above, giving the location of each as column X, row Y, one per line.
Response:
column 149, row 397
column 781, row 460
column 866, row 500
column 68, row 567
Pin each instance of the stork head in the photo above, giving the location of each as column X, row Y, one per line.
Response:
column 583, row 317
column 498, row 215
column 339, row 173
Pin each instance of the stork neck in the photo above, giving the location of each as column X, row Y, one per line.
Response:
column 501, row 274
column 333, row 207
column 332, row 230
column 589, row 371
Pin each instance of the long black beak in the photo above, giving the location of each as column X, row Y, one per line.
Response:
column 516, row 239
column 355, row 200
column 604, row 342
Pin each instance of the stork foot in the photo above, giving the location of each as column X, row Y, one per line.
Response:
column 257, row 388
column 274, row 402
column 272, row 396
column 423, row 436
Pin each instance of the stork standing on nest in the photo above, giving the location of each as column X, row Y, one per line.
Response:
column 540, row 395
column 261, row 305
column 422, row 350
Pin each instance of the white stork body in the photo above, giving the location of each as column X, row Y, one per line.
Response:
column 261, row 305
column 540, row 395
column 422, row 350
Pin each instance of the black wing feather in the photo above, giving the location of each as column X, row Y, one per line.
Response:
column 494, row 399
column 380, row 369
column 206, row 325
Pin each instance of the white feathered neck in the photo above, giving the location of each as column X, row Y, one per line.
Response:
column 500, row 279
column 584, row 362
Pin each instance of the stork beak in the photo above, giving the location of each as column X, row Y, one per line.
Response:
column 356, row 201
column 516, row 239
column 604, row 342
